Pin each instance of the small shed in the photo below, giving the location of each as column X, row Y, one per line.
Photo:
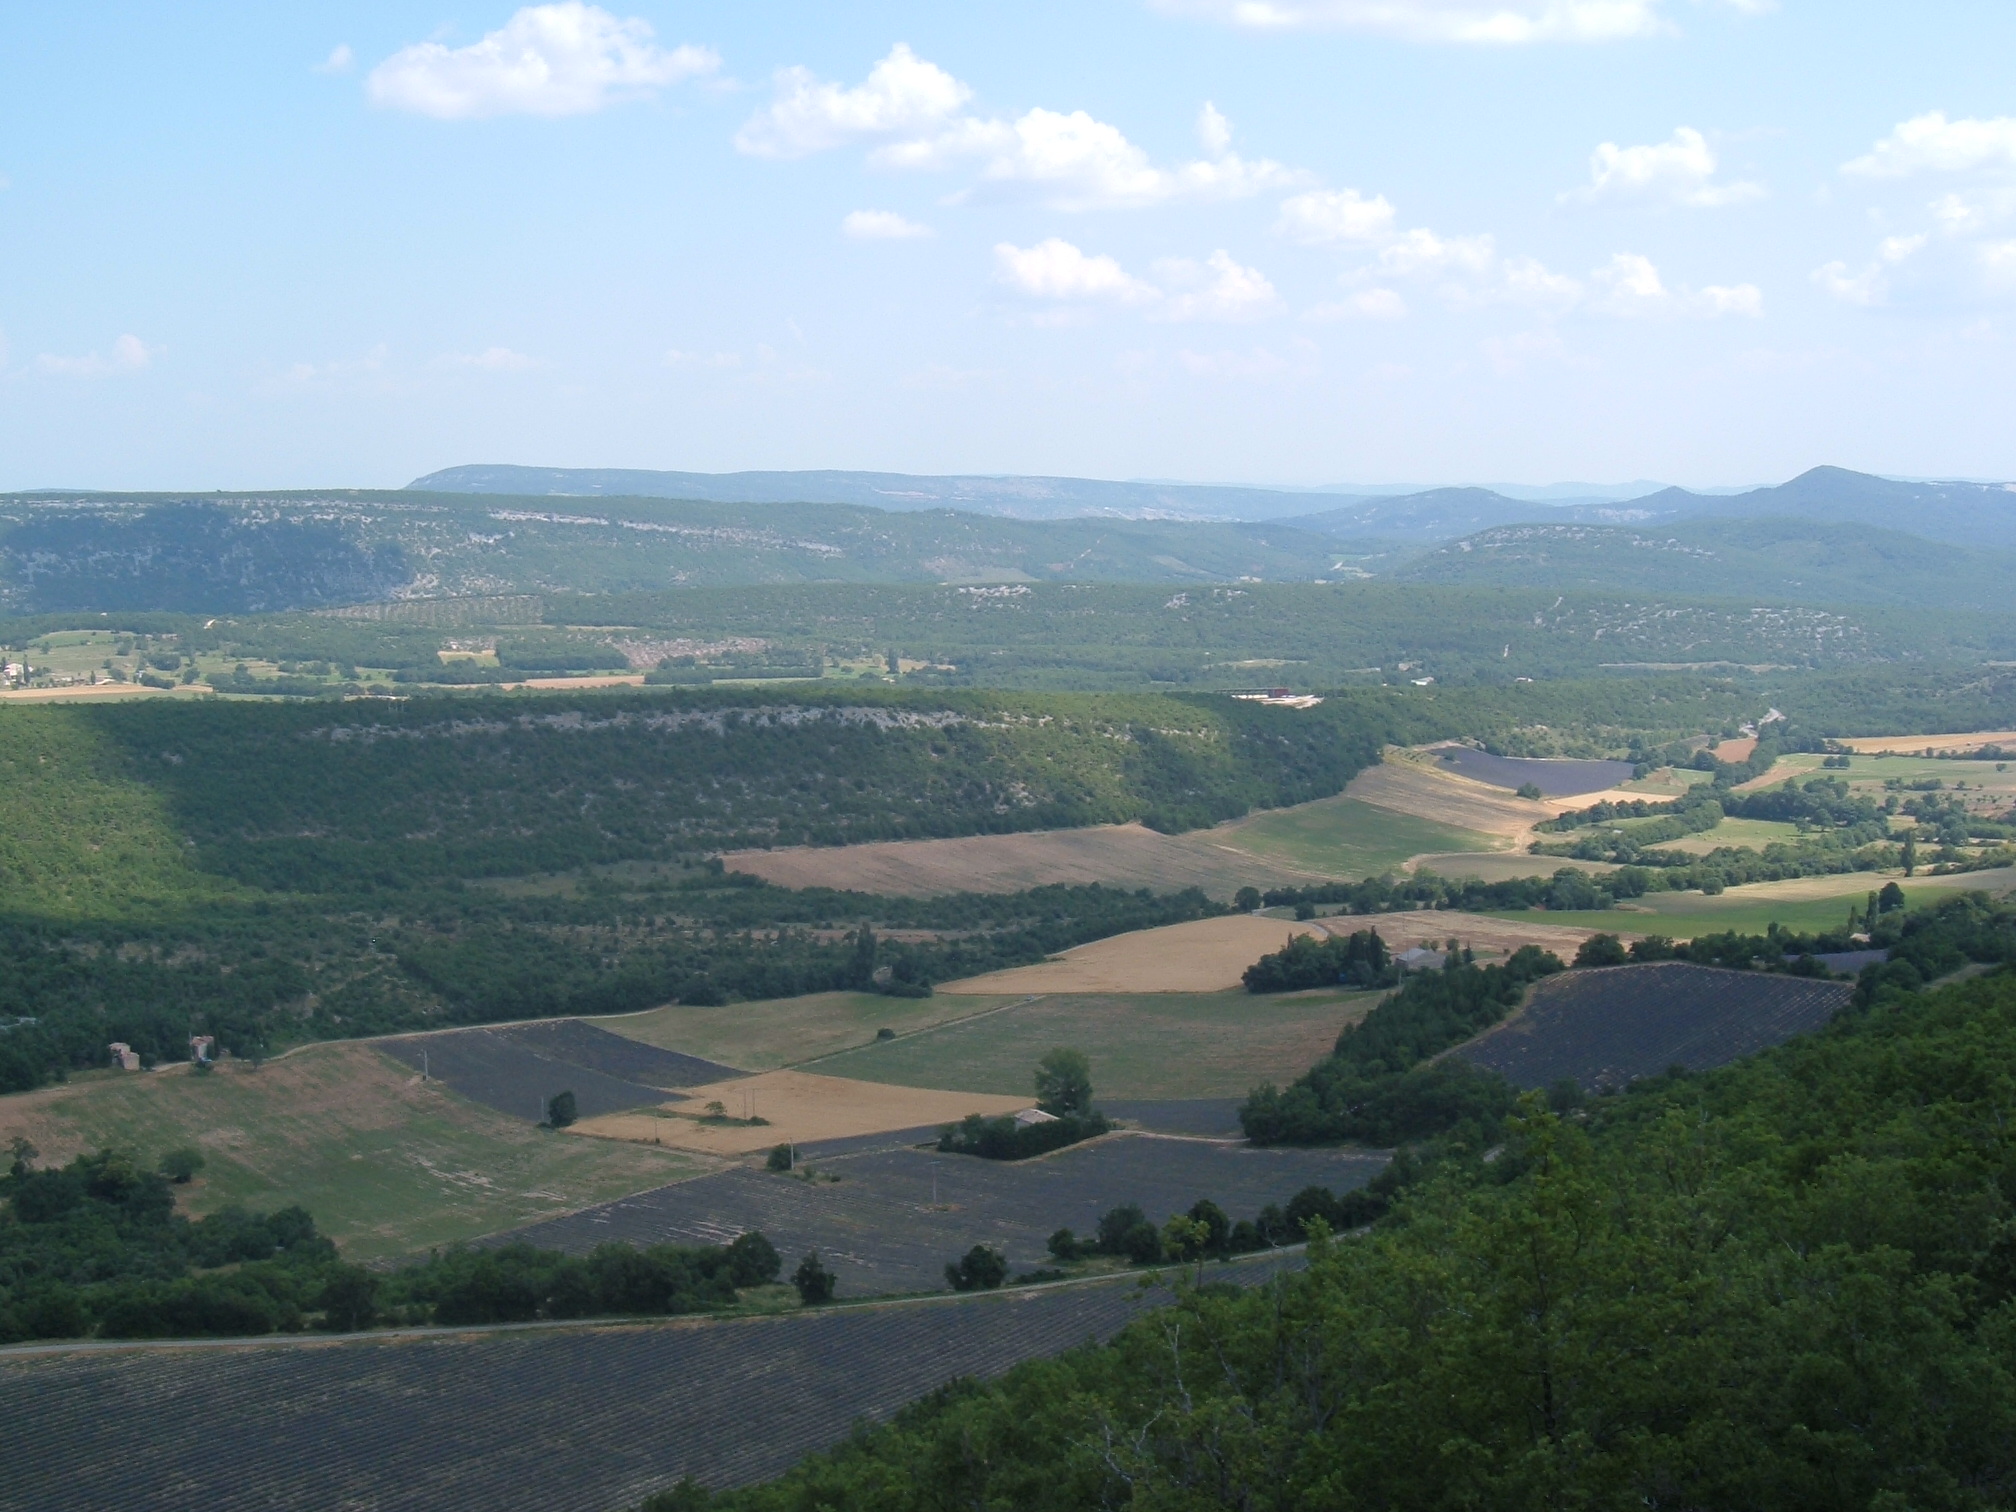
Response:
column 1029, row 1116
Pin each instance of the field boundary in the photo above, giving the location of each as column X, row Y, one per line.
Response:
column 969, row 1018
column 1145, row 1279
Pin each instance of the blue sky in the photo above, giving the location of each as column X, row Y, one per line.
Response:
column 1274, row 241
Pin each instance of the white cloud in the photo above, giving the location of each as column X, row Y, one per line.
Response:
column 1079, row 162
column 1219, row 289
column 1676, row 172
column 1054, row 269
column 340, row 60
column 909, row 109
column 1509, row 355
column 1932, row 144
column 547, row 60
column 1420, row 250
column 882, row 225
column 1871, row 286
column 129, row 355
column 1629, row 286
column 1501, row 22
column 903, row 95
column 1998, row 266
column 1336, row 217
column 1365, row 304
column 1726, row 299
column 494, row 359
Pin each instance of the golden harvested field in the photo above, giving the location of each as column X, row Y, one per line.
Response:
column 800, row 1106
column 1483, row 933
column 389, row 1166
column 1205, row 955
column 768, row 1036
column 1913, row 745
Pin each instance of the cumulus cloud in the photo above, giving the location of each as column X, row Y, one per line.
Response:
column 1055, row 269
column 1336, row 217
column 1219, row 289
column 547, row 60
column 1499, row 22
column 1871, row 284
column 129, row 354
column 1630, row 286
column 340, row 60
column 1680, row 171
column 882, row 225
column 908, row 112
column 1932, row 144
column 903, row 95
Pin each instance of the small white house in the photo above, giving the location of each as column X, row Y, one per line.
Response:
column 1421, row 958
column 123, row 1056
column 1029, row 1116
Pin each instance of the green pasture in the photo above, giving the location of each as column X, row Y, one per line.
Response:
column 388, row 1166
column 1753, row 834
column 1806, row 904
column 1141, row 1045
column 1346, row 837
column 785, row 1031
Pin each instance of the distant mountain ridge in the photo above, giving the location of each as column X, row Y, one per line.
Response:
column 1021, row 498
column 1960, row 513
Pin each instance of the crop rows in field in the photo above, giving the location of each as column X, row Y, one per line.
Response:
column 1557, row 779
column 578, row 1044
column 1206, row 1117
column 574, row 1420
column 515, row 1070
column 1607, row 1027
column 895, row 1217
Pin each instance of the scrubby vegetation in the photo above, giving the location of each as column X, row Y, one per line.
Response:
column 1374, row 1086
column 96, row 1248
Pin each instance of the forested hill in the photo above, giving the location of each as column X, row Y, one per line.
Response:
column 236, row 552
column 389, row 793
column 1786, row 560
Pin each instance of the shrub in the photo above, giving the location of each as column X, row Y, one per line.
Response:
column 815, row 1283
column 1004, row 1139
column 180, row 1166
column 979, row 1269
column 779, row 1158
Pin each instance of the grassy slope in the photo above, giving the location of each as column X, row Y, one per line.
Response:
column 1345, row 837
column 387, row 1166
column 785, row 1031
column 1140, row 1045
